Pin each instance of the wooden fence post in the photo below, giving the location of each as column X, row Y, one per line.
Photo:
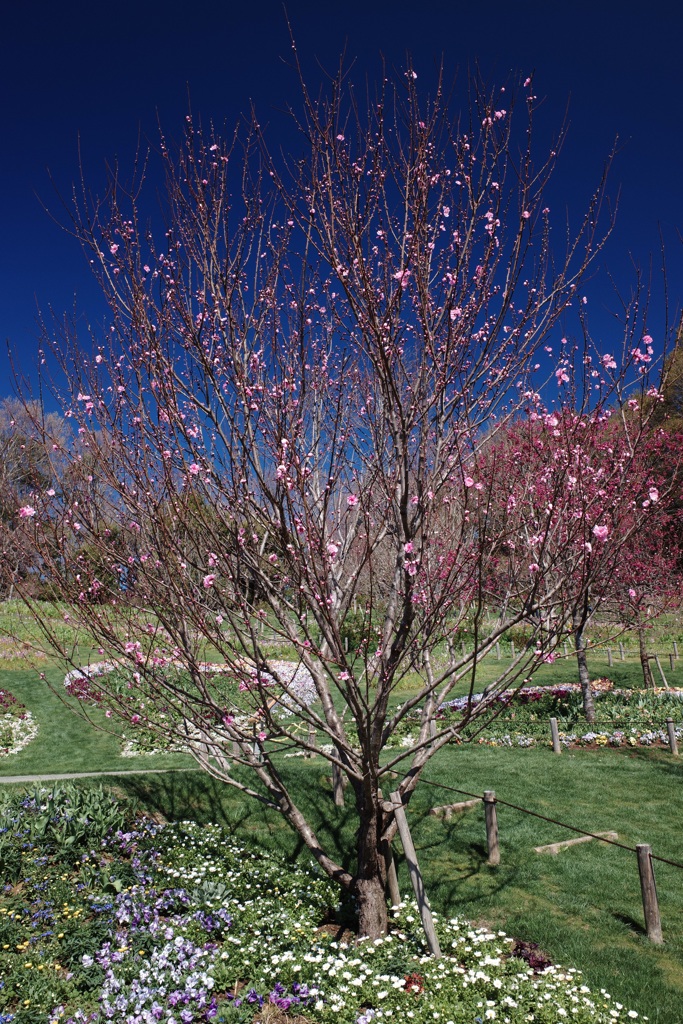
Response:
column 497, row 652
column 622, row 653
column 512, row 650
column 609, row 656
column 415, row 876
column 311, row 740
column 555, row 733
column 566, row 652
column 491, row 826
column 671, row 662
column 675, row 650
column 653, row 922
column 671, row 729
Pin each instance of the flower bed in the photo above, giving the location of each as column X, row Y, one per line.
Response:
column 177, row 924
column 623, row 717
column 81, row 683
column 17, row 725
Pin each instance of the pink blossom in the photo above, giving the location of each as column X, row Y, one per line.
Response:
column 601, row 532
column 402, row 277
column 468, row 481
column 194, row 469
column 352, row 500
column 209, row 580
column 534, row 567
column 653, row 494
column 219, row 620
column 27, row 512
column 408, row 548
column 332, row 549
column 411, row 568
column 213, row 560
column 631, row 593
column 272, row 559
column 608, row 362
column 550, row 657
column 526, row 214
column 135, row 719
column 562, row 375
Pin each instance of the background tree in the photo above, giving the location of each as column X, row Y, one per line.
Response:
column 294, row 391
column 27, row 465
column 612, row 485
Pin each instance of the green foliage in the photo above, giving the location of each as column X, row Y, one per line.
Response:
column 64, row 821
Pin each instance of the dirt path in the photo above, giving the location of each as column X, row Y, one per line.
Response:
column 91, row 775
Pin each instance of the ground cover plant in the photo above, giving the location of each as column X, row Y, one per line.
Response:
column 107, row 919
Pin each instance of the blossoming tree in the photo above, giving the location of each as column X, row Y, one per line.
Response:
column 591, row 512
column 284, row 421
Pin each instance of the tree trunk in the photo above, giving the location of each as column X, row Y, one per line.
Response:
column 645, row 660
column 582, row 662
column 373, row 917
column 370, row 885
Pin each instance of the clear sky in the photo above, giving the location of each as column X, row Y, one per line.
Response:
column 102, row 73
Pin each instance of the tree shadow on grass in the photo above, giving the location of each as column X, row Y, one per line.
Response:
column 631, row 923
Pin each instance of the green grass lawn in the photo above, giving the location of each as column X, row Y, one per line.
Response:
column 583, row 906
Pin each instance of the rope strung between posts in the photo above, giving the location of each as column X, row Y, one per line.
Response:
column 552, row 821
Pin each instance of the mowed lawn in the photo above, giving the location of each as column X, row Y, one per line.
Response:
column 582, row 906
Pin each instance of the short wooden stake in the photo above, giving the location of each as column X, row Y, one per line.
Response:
column 609, row 657
column 491, row 826
column 555, row 733
column 673, row 743
column 448, row 810
column 566, row 652
column 675, row 650
column 661, row 670
column 671, row 662
column 337, row 782
column 512, row 649
column 311, row 740
column 392, row 877
column 622, row 653
column 556, row 847
column 497, row 652
column 415, row 876
column 653, row 922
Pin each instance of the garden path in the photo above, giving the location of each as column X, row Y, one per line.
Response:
column 57, row 776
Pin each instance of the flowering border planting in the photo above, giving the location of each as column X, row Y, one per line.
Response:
column 17, row 725
column 178, row 924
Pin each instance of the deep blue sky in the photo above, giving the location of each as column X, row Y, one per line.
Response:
column 102, row 72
